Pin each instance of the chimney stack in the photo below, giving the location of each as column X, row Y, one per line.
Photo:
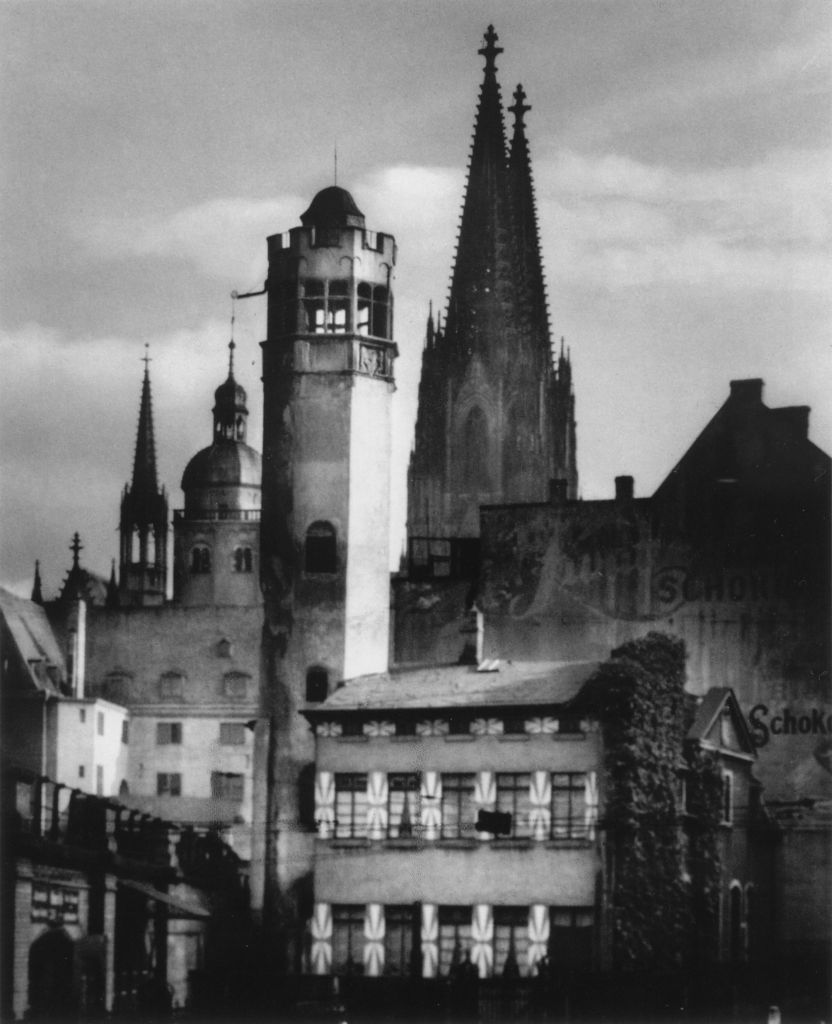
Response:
column 473, row 631
column 623, row 488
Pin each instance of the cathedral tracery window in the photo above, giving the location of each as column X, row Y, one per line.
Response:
column 474, row 452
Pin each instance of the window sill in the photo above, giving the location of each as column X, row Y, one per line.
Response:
column 406, row 739
column 509, row 843
column 573, row 737
column 351, row 739
column 458, row 843
column 343, row 843
column 461, row 738
column 403, row 843
column 513, row 737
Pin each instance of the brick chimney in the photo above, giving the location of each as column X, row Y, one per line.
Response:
column 797, row 418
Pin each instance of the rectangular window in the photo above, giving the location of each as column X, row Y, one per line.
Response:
column 350, row 805
column 227, row 786
column 569, row 805
column 458, row 811
column 402, row 804
column 168, row 784
column 232, row 734
column 235, row 686
column 348, row 939
column 570, row 938
column 514, row 724
column 125, row 731
column 99, row 779
column 454, row 936
column 514, row 798
column 100, row 723
column 82, row 714
column 399, row 927
column 511, row 940
column 171, row 686
column 168, row 733
column 81, row 771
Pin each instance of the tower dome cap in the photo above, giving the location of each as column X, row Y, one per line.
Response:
column 333, row 207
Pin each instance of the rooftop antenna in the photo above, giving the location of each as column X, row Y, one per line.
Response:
column 335, row 161
column 231, row 345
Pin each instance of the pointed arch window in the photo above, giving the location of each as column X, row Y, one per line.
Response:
column 320, row 549
column 200, row 559
column 474, row 453
column 242, row 559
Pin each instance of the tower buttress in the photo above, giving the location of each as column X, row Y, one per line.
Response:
column 144, row 518
column 328, row 383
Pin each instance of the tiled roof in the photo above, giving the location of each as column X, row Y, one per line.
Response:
column 34, row 639
column 448, row 686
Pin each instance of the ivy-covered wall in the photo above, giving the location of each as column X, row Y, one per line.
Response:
column 663, row 864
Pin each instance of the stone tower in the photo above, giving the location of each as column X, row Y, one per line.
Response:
column 496, row 414
column 328, row 382
column 216, row 538
column 144, row 519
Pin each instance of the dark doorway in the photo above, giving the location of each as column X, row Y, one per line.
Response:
column 51, row 959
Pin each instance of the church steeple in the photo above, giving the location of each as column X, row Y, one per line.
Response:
column 37, row 589
column 495, row 419
column 527, row 234
column 483, row 274
column 144, row 516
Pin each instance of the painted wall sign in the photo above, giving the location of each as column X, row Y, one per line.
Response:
column 676, row 585
column 785, row 722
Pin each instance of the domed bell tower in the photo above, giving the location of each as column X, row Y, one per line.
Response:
column 216, row 536
column 328, row 382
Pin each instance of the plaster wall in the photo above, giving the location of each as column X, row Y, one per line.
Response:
column 500, row 873
column 79, row 744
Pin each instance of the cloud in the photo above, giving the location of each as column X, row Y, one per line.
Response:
column 617, row 222
column 222, row 238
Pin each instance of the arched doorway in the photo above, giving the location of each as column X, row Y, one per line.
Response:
column 51, row 995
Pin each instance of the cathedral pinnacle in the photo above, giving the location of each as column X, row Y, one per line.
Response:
column 37, row 589
column 490, row 50
column 76, row 547
column 519, row 108
column 145, row 482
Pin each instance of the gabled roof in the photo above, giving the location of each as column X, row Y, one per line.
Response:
column 705, row 726
column 518, row 684
column 38, row 650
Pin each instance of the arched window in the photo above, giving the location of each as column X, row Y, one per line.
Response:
column 320, row 552
column 317, row 685
column 473, row 455
column 242, row 560
column 373, row 310
column 200, row 559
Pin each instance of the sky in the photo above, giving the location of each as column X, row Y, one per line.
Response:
column 681, row 157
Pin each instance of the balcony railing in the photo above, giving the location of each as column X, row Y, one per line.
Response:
column 245, row 515
column 38, row 809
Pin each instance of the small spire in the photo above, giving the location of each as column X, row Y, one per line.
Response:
column 112, row 587
column 37, row 590
column 76, row 547
column 146, row 359
column 519, row 108
column 231, row 345
column 490, row 50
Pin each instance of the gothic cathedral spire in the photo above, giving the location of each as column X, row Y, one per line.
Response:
column 495, row 420
column 144, row 517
